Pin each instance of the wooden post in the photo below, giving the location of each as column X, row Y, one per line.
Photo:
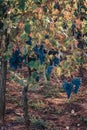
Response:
column 3, row 88
column 25, row 106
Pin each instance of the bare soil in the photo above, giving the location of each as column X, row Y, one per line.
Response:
column 47, row 104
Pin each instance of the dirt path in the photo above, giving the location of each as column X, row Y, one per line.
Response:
column 57, row 112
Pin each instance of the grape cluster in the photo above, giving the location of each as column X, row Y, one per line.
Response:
column 72, row 86
column 46, row 36
column 77, row 82
column 73, row 28
column 39, row 51
column 80, row 44
column 78, row 34
column 56, row 61
column 57, row 6
column 29, row 42
column 68, row 87
column 35, row 49
column 16, row 60
column 49, row 70
column 37, row 78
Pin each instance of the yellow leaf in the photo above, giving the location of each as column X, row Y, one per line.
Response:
column 58, row 71
column 50, row 56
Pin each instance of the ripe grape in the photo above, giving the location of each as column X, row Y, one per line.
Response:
column 46, row 36
column 37, row 78
column 39, row 50
column 56, row 6
column 29, row 42
column 56, row 61
column 16, row 60
column 49, row 70
column 77, row 82
column 68, row 87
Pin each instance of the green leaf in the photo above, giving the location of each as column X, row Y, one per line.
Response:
column 24, row 36
column 34, row 75
column 32, row 64
column 65, row 65
column 1, row 1
column 80, row 60
column 6, row 57
column 27, row 28
column 22, row 4
column 37, row 1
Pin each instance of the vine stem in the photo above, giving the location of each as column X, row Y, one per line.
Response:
column 45, row 75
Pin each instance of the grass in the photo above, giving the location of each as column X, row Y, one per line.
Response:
column 38, row 124
column 50, row 91
column 37, row 105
